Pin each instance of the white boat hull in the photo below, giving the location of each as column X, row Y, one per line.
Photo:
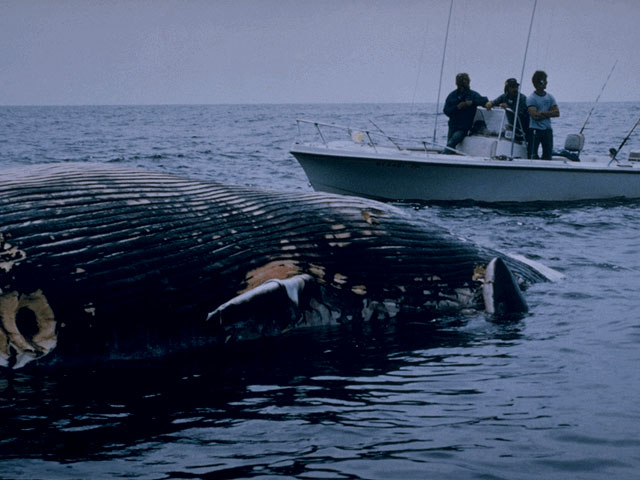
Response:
column 386, row 174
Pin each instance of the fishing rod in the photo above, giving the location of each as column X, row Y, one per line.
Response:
column 615, row 152
column 524, row 62
column 444, row 53
column 598, row 98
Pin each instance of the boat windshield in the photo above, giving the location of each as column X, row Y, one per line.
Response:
column 496, row 122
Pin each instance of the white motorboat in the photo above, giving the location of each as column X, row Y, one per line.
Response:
column 487, row 166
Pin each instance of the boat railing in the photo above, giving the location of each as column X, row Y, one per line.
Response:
column 373, row 138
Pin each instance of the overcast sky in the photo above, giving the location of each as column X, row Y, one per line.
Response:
column 77, row 52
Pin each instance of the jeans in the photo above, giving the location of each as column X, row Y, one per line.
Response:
column 454, row 137
column 544, row 137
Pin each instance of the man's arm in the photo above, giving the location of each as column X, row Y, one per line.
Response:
column 536, row 114
column 450, row 105
column 479, row 100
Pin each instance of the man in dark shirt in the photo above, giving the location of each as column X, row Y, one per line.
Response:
column 509, row 99
column 460, row 107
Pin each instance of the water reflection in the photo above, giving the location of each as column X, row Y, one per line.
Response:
column 332, row 376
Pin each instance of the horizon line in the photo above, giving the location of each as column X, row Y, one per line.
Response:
column 25, row 105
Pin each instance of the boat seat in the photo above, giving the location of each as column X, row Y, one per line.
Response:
column 574, row 142
column 572, row 147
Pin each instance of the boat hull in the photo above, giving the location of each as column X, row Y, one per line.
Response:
column 408, row 176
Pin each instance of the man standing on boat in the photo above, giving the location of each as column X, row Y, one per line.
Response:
column 460, row 107
column 509, row 99
column 542, row 108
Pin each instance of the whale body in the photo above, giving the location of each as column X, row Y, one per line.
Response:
column 98, row 261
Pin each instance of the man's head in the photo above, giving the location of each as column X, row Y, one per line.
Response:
column 511, row 87
column 539, row 80
column 463, row 81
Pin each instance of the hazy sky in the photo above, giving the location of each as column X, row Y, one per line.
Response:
column 58, row 52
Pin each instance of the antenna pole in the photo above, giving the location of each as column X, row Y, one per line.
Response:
column 598, row 98
column 524, row 62
column 444, row 53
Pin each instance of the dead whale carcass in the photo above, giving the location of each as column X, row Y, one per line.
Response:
column 114, row 262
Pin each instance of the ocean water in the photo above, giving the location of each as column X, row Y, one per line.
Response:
column 554, row 395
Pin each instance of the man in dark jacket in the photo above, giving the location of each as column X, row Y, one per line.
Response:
column 509, row 99
column 460, row 107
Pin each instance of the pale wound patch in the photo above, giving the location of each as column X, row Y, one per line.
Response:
column 279, row 270
column 479, row 273
column 286, row 245
column 339, row 244
column 318, row 271
column 10, row 256
column 343, row 235
column 339, row 279
column 89, row 309
column 359, row 289
column 370, row 215
column 17, row 348
column 338, row 236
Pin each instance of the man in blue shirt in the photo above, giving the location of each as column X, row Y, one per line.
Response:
column 460, row 107
column 542, row 108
